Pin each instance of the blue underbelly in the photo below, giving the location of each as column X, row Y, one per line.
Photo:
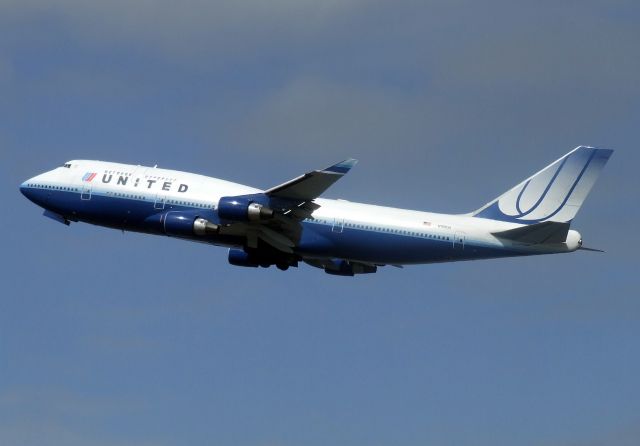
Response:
column 317, row 240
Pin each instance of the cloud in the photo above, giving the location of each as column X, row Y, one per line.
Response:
column 49, row 417
column 484, row 43
column 562, row 49
column 186, row 28
column 43, row 432
column 310, row 114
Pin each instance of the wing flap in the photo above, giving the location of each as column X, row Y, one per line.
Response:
column 276, row 239
column 303, row 210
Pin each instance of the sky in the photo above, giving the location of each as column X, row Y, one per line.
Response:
column 114, row 339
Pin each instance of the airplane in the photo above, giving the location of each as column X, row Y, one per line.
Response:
column 290, row 223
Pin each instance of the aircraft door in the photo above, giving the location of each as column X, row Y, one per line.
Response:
column 458, row 241
column 338, row 225
column 159, row 202
column 85, row 193
column 82, row 183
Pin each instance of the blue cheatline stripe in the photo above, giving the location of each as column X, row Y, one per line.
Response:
column 317, row 238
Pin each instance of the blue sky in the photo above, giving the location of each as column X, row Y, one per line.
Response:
column 110, row 339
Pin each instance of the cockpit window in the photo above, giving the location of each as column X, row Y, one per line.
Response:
column 67, row 165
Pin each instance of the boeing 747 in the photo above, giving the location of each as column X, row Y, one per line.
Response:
column 290, row 223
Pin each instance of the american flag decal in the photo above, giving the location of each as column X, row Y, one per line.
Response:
column 89, row 176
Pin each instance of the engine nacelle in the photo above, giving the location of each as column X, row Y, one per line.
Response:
column 344, row 268
column 179, row 224
column 238, row 257
column 242, row 209
column 264, row 259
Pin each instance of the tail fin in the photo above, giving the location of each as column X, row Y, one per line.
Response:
column 553, row 194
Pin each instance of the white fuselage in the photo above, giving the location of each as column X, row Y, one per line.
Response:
column 125, row 196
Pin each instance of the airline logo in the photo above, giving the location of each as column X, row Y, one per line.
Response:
column 123, row 180
column 89, row 176
column 556, row 192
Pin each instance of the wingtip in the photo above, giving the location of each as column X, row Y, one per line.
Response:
column 349, row 163
column 343, row 166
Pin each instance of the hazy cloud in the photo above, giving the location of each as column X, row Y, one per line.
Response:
column 315, row 114
column 50, row 417
column 187, row 28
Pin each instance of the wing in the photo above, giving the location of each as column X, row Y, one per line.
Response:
column 298, row 194
column 312, row 184
column 291, row 202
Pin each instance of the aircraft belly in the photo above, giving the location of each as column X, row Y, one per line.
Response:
column 317, row 240
column 385, row 248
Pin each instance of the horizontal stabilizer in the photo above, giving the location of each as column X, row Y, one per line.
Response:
column 545, row 232
column 584, row 248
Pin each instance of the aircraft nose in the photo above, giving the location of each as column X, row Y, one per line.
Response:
column 27, row 189
column 24, row 188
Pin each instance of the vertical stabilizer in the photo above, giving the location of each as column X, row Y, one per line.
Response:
column 553, row 194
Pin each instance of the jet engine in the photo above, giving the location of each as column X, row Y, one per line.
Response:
column 264, row 258
column 242, row 209
column 180, row 224
column 344, row 268
column 241, row 258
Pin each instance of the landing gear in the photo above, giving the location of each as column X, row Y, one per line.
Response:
column 263, row 257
